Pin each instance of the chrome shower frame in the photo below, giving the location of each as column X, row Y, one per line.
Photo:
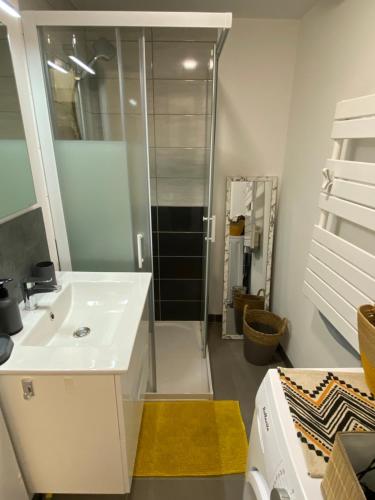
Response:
column 31, row 21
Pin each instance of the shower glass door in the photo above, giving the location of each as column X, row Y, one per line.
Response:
column 209, row 223
column 94, row 78
column 180, row 90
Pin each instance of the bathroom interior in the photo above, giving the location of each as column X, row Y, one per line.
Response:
column 187, row 249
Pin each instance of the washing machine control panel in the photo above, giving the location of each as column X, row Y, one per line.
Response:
column 273, row 446
column 269, row 441
column 279, row 494
column 281, row 482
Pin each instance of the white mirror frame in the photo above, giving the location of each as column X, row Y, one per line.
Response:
column 21, row 75
column 273, row 180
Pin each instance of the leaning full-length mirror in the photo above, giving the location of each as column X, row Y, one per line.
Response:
column 16, row 182
column 249, row 227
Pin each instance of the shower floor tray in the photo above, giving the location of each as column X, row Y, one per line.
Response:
column 181, row 371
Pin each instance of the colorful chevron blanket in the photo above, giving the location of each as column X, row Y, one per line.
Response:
column 323, row 403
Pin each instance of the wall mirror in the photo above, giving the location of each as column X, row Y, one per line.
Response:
column 16, row 182
column 249, row 228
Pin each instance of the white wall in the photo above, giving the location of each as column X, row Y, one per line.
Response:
column 255, row 82
column 335, row 61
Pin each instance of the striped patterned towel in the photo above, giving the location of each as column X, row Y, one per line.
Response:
column 322, row 403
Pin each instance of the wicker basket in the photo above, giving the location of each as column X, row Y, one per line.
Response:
column 340, row 480
column 240, row 300
column 366, row 332
column 238, row 290
column 237, row 228
column 260, row 344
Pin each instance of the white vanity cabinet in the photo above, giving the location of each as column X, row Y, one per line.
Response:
column 11, row 480
column 78, row 432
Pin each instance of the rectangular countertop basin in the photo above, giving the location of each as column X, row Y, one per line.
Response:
column 90, row 325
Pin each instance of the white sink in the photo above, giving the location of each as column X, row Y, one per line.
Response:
column 95, row 307
column 105, row 308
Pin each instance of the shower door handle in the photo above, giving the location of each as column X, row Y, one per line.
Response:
column 139, row 250
column 213, row 228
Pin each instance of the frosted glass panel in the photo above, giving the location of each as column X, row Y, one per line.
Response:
column 95, row 193
column 16, row 183
column 99, row 130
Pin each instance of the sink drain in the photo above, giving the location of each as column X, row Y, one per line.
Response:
column 81, row 332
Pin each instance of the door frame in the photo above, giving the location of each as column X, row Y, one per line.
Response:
column 31, row 20
column 209, row 218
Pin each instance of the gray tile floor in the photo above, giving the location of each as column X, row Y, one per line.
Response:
column 233, row 378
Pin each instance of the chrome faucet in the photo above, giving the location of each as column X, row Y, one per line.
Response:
column 32, row 286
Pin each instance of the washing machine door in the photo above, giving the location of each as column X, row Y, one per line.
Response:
column 256, row 487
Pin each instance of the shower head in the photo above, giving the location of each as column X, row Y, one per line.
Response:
column 103, row 49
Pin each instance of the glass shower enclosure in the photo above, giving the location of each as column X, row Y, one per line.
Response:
column 126, row 119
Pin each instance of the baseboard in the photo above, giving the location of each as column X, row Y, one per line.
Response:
column 284, row 357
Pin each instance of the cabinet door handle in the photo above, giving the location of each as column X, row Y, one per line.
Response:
column 28, row 389
column 139, row 250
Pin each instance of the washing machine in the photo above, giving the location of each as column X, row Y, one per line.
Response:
column 276, row 466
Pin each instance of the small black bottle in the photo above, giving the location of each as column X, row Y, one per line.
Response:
column 10, row 316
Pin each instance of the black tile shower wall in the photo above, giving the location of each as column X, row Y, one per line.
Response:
column 182, row 219
column 154, row 218
column 178, row 262
column 180, row 244
column 181, row 289
column 23, row 243
column 182, row 268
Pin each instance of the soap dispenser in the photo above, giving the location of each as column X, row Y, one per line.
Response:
column 10, row 316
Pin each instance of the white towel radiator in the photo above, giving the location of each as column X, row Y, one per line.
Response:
column 340, row 275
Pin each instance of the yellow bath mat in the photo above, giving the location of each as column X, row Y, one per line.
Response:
column 191, row 438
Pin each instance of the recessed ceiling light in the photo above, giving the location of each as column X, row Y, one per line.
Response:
column 56, row 66
column 82, row 64
column 133, row 102
column 9, row 9
column 190, row 64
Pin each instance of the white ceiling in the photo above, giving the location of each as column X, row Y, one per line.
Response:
column 278, row 9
